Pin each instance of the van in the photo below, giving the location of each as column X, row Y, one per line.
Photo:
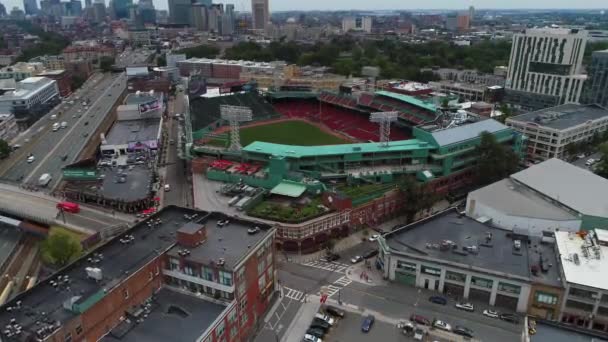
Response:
column 44, row 180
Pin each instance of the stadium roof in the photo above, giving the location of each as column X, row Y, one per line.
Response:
column 290, row 189
column 314, row 151
column 409, row 99
column 572, row 186
column 563, row 117
column 466, row 132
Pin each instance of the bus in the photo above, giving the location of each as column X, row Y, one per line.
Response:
column 69, row 207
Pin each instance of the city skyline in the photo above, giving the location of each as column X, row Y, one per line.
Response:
column 277, row 6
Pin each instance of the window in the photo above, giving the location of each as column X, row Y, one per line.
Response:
column 226, row 278
column 482, row 282
column 219, row 331
column 262, row 282
column 232, row 316
column 242, row 287
column 68, row 337
column 261, row 266
column 504, row 287
column 241, row 273
column 545, row 298
column 269, row 259
column 243, row 303
column 150, row 276
column 173, row 264
column 157, row 270
column 406, row 267
column 578, row 305
column 233, row 331
column 455, row 276
column 244, row 318
column 208, row 273
column 79, row 330
column 125, row 293
column 581, row 293
column 431, row 271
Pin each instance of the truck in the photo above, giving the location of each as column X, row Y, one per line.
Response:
column 45, row 179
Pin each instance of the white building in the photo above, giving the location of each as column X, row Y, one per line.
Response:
column 583, row 261
column 31, row 95
column 548, row 62
column 173, row 58
column 357, row 24
column 550, row 130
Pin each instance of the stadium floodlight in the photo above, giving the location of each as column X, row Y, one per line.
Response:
column 235, row 115
column 384, row 119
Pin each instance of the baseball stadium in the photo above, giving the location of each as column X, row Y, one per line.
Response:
column 339, row 152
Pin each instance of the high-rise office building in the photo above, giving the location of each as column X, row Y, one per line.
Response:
column 214, row 18
column 179, row 11
column 146, row 11
column 260, row 14
column 199, row 17
column 228, row 20
column 597, row 84
column 547, row 63
column 30, row 7
column 357, row 24
column 121, row 8
column 471, row 13
column 99, row 11
column 88, row 3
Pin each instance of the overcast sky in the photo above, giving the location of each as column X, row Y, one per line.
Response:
column 284, row 5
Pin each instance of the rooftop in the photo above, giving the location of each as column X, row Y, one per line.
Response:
column 228, row 242
column 572, row 186
column 173, row 317
column 117, row 259
column 556, row 332
column 288, row 188
column 584, row 260
column 228, row 62
column 409, row 99
column 133, row 131
column 465, row 132
column 141, row 97
column 294, row 151
column 562, row 117
column 517, row 200
column 498, row 254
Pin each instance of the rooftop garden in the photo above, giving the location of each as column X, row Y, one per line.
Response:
column 289, row 212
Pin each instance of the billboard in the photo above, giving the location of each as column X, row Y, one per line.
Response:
column 196, row 85
column 148, row 106
column 79, row 174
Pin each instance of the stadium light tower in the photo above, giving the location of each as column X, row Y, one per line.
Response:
column 235, row 115
column 384, row 119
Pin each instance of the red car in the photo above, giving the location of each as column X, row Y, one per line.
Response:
column 420, row 319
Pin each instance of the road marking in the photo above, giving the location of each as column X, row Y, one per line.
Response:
column 344, row 281
column 68, row 133
column 294, row 294
column 328, row 266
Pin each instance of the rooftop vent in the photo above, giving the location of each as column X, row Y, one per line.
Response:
column 221, row 262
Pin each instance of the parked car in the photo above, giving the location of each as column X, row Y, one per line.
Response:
column 316, row 332
column 420, row 319
column 374, row 237
column 311, row 338
column 356, row 259
column 324, row 317
column 463, row 331
column 332, row 310
column 442, row 325
column 370, row 254
column 332, row 256
column 438, row 300
column 511, row 318
column 465, row 306
column 368, row 322
column 30, row 159
column 490, row 313
column 321, row 324
column 254, row 230
column 418, row 334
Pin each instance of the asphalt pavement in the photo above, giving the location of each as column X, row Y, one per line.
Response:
column 51, row 148
column 176, row 172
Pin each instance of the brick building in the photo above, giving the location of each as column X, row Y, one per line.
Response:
column 63, row 78
column 180, row 273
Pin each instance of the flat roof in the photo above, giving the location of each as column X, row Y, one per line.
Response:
column 555, row 333
column 118, row 260
column 572, row 186
column 174, row 316
column 142, row 97
column 290, row 189
column 562, row 117
column 589, row 271
column 296, row 151
column 229, row 242
column 137, row 185
column 409, row 99
column 467, row 132
column 131, row 131
column 517, row 200
column 463, row 231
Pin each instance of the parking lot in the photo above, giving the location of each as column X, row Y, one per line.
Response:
column 349, row 329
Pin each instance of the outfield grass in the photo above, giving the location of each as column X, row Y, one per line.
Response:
column 289, row 133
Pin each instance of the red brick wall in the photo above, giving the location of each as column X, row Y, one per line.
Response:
column 376, row 211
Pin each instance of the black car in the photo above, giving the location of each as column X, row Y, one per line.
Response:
column 316, row 332
column 438, row 300
column 370, row 254
column 332, row 256
column 334, row 311
column 463, row 331
column 319, row 323
column 511, row 318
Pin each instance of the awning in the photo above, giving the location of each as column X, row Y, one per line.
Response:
column 290, row 189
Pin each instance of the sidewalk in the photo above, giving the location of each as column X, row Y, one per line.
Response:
column 343, row 244
column 367, row 275
column 301, row 322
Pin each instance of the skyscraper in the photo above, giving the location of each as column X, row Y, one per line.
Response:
column 547, row 62
column 597, row 85
column 179, row 11
column 199, row 17
column 87, row 3
column 228, row 20
column 260, row 14
column 121, row 8
column 30, row 7
column 99, row 11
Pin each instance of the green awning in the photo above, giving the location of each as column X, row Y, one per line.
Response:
column 290, row 189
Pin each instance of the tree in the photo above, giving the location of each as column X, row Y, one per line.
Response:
column 60, row 248
column 416, row 197
column 106, row 63
column 161, row 60
column 494, row 161
column 5, row 149
column 602, row 167
column 201, row 51
column 506, row 111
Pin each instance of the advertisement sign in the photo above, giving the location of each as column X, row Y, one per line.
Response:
column 197, row 85
column 148, row 106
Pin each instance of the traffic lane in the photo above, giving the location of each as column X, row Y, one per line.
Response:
column 306, row 279
column 402, row 302
column 349, row 329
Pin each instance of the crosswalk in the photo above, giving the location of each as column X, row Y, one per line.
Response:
column 331, row 289
column 328, row 266
column 294, row 294
column 343, row 281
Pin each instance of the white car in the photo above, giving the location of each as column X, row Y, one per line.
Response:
column 356, row 259
column 326, row 318
column 442, row 325
column 490, row 313
column 374, row 237
column 31, row 159
column 465, row 306
column 311, row 338
column 167, row 188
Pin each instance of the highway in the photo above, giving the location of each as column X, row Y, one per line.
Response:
column 134, row 58
column 54, row 150
column 42, row 208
